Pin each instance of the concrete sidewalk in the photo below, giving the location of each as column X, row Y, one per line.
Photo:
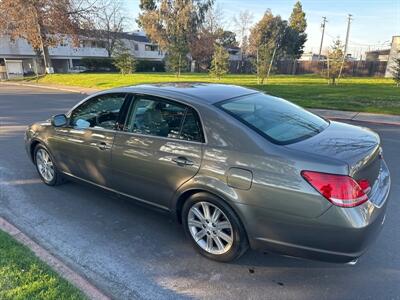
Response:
column 358, row 116
column 327, row 113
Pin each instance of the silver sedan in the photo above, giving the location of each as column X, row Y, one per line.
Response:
column 238, row 168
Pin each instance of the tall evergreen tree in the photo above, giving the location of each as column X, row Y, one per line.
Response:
column 298, row 23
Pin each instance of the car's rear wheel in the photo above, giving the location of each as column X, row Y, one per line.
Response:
column 46, row 167
column 213, row 227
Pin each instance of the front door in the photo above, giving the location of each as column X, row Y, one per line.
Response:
column 159, row 150
column 83, row 149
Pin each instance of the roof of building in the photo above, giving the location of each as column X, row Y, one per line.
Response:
column 379, row 52
column 190, row 91
column 136, row 37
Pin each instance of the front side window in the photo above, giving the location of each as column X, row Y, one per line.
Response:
column 164, row 119
column 101, row 112
column 276, row 119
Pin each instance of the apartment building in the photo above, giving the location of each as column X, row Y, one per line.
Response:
column 17, row 58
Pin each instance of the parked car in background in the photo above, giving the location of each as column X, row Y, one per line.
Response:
column 236, row 167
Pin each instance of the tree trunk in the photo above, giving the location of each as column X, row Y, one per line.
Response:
column 294, row 66
column 46, row 57
column 270, row 65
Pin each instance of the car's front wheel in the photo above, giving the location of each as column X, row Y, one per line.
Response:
column 46, row 167
column 213, row 227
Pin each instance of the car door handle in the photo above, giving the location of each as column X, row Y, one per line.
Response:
column 103, row 146
column 182, row 161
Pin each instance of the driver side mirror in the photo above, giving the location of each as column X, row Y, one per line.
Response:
column 59, row 120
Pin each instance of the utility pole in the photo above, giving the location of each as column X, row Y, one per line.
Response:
column 349, row 19
column 322, row 37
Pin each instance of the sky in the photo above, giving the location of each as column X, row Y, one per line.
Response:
column 373, row 24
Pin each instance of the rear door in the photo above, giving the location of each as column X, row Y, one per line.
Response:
column 83, row 149
column 158, row 150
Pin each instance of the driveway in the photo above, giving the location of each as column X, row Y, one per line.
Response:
column 133, row 252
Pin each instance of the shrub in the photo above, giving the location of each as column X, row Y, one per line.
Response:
column 98, row 64
column 150, row 66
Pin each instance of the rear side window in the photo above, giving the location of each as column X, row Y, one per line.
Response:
column 276, row 119
column 191, row 128
column 157, row 117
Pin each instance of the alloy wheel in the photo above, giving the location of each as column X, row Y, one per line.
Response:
column 45, row 165
column 210, row 228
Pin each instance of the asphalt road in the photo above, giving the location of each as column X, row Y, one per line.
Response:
column 131, row 251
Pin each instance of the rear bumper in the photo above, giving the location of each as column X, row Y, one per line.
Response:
column 338, row 235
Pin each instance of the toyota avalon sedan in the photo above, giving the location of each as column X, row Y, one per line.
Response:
column 238, row 168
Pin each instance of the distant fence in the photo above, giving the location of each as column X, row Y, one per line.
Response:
column 351, row 68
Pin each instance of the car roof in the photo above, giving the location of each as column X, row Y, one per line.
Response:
column 190, row 92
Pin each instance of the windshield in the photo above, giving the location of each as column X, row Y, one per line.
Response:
column 278, row 120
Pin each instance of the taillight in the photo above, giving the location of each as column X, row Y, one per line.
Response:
column 341, row 190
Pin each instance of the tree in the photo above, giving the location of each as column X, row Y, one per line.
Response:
column 334, row 61
column 172, row 24
column 123, row 60
column 176, row 59
column 395, row 70
column 220, row 61
column 109, row 23
column 44, row 23
column 209, row 32
column 227, row 39
column 296, row 36
column 242, row 25
column 262, row 62
column 200, row 49
column 269, row 31
column 297, row 19
column 268, row 39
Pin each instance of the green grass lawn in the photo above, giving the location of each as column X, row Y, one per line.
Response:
column 24, row 276
column 378, row 95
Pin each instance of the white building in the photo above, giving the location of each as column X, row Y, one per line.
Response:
column 309, row 56
column 394, row 52
column 17, row 58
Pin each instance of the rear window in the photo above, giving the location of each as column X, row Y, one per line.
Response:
column 278, row 120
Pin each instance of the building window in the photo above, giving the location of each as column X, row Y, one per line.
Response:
column 136, row 46
column 149, row 47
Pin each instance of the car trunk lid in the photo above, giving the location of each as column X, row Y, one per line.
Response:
column 358, row 147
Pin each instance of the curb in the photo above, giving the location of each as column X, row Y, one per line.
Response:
column 381, row 119
column 77, row 91
column 58, row 266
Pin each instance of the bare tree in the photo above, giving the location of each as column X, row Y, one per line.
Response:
column 214, row 19
column 109, row 23
column 242, row 24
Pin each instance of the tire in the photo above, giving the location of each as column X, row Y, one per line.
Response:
column 220, row 240
column 52, row 178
